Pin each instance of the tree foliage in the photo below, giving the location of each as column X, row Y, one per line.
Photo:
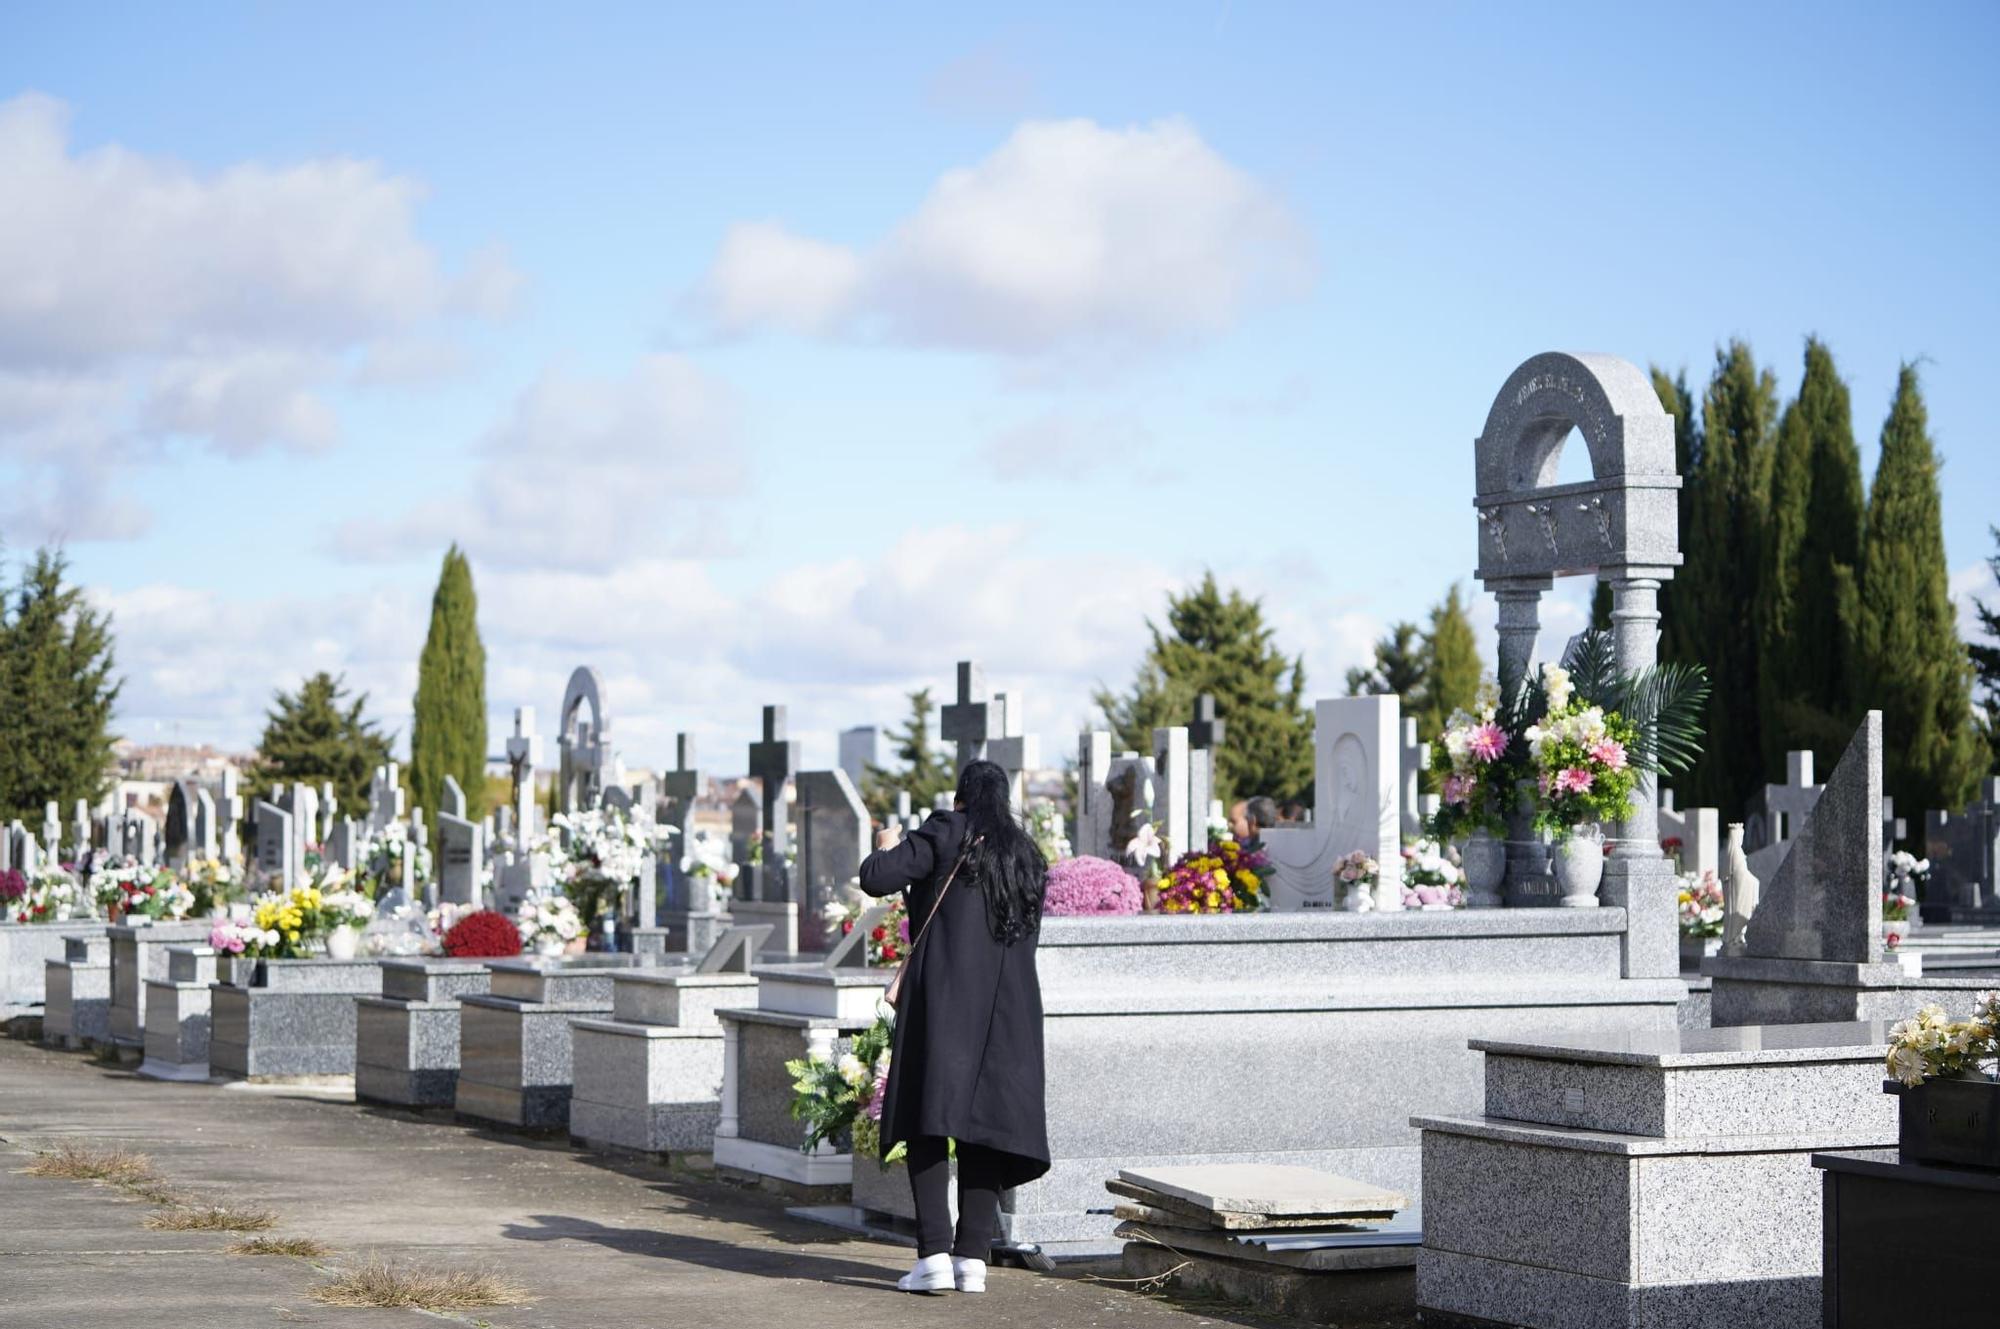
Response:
column 319, row 735
column 1220, row 644
column 1986, row 661
column 57, row 691
column 448, row 733
column 1914, row 668
column 1809, row 596
column 1399, row 666
column 1451, row 666
column 924, row 770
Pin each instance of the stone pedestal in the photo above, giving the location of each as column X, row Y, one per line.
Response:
column 77, row 1012
column 1752, row 990
column 514, row 1049
column 26, row 951
column 649, row 1078
column 138, row 955
column 283, row 1018
column 406, row 1039
column 1648, row 1180
column 1886, row 1221
column 177, row 1016
column 801, row 1009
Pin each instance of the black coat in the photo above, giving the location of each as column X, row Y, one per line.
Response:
column 968, row 1040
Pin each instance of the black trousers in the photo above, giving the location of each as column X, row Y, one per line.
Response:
column 978, row 1197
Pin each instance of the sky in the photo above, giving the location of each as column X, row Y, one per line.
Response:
column 774, row 354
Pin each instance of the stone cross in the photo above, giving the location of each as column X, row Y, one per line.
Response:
column 385, row 799
column 680, row 788
column 774, row 759
column 329, row 804
column 1356, row 791
column 524, row 750
column 1413, row 759
column 52, row 830
column 586, row 761
column 1204, row 730
column 1768, row 832
column 965, row 722
column 1011, row 749
column 229, row 817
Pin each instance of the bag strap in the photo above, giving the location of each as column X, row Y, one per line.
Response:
column 950, row 877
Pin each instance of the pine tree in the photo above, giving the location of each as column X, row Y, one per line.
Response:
column 925, row 771
column 56, row 693
column 1810, row 595
column 1451, row 666
column 1986, row 661
column 316, row 735
column 1914, row 668
column 1714, row 623
column 448, row 734
column 1220, row 644
column 1399, row 666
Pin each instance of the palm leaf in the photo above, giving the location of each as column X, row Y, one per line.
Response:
column 1592, row 661
column 1665, row 704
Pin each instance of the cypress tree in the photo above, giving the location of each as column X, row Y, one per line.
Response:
column 1809, row 607
column 1986, row 661
column 1220, row 644
column 1714, row 624
column 1600, row 607
column 1399, row 666
column 1679, row 402
column 1914, row 668
column 448, row 733
column 1451, row 666
column 56, row 693
column 317, row 735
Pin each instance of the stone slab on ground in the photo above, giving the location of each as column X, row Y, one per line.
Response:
column 1355, row 1299
column 1270, row 1189
column 603, row 1242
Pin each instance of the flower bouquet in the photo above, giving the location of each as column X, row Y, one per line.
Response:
column 278, row 925
column 1220, row 879
column 1355, row 877
column 888, row 940
column 707, row 862
column 1089, row 886
column 1906, row 875
column 1475, row 787
column 1044, row 825
column 1431, row 876
column 483, row 934
column 124, row 889
column 595, row 859
column 383, row 871
column 1701, row 905
column 836, row 1095
column 1945, row 1073
column 215, row 884
column 48, row 895
column 549, row 924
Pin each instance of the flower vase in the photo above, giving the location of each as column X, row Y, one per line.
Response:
column 1739, row 891
column 549, row 947
column 1151, row 898
column 1579, row 869
column 575, row 946
column 342, row 942
column 1484, row 860
column 1357, row 897
column 1949, row 1120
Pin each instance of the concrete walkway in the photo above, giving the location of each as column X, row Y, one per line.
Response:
column 601, row 1245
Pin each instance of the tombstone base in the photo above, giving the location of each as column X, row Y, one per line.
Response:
column 406, row 1040
column 77, row 1013
column 26, row 951
column 1752, row 990
column 647, row 1088
column 139, row 955
column 1648, row 891
column 514, row 1048
column 177, row 1031
column 297, row 1020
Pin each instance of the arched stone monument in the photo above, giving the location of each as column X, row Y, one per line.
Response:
column 584, row 746
column 1621, row 525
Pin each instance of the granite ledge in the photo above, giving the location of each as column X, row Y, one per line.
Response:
column 631, row 1029
column 751, row 1015
column 1641, row 1146
column 522, row 1005
column 814, row 974
column 1228, row 998
column 1825, row 973
column 1735, row 1045
column 1330, row 925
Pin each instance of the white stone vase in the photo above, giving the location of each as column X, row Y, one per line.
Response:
column 550, row 945
column 1356, row 897
column 1483, row 857
column 342, row 942
column 1739, row 891
column 1579, row 868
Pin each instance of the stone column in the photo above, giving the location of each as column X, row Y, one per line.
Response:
column 1528, row 880
column 1638, row 878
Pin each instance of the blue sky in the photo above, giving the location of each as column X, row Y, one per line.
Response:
column 776, row 355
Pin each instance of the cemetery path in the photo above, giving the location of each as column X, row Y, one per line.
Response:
column 600, row 1244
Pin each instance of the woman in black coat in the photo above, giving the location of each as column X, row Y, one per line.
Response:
column 967, row 1063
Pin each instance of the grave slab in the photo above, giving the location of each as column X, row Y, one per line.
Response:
column 285, row 1018
column 77, row 1012
column 406, row 1040
column 649, row 1079
column 178, row 1016
column 139, row 955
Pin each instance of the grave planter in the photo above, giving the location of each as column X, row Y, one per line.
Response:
column 292, row 1018
column 26, row 950
column 1484, row 856
column 1949, row 1121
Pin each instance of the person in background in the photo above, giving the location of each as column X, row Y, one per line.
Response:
column 1248, row 819
column 966, row 1061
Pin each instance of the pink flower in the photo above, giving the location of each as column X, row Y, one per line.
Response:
column 1457, row 789
column 1573, row 780
column 1487, row 742
column 1609, row 753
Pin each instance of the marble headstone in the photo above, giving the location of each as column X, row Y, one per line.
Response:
column 1356, row 804
column 1825, row 901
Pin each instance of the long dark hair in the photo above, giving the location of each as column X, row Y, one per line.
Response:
column 1000, row 856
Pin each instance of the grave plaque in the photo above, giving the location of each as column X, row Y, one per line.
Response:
column 275, row 863
column 461, row 859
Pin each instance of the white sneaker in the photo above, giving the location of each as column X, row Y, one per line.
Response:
column 969, row 1275
column 932, row 1273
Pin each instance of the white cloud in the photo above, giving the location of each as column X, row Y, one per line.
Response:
column 1069, row 234
column 1974, row 583
column 141, row 299
column 1063, row 445
column 581, row 471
